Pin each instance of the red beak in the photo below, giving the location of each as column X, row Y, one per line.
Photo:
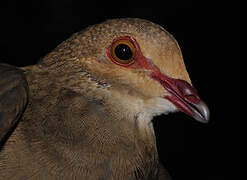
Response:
column 183, row 96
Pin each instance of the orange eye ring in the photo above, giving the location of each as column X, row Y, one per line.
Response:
column 122, row 51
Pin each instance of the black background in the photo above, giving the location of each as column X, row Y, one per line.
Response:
column 190, row 150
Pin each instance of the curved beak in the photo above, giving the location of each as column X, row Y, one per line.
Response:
column 201, row 112
column 184, row 97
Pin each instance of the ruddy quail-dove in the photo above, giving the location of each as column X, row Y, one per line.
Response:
column 84, row 111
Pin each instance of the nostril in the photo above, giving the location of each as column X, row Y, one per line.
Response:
column 187, row 91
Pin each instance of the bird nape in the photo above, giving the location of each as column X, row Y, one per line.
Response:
column 84, row 111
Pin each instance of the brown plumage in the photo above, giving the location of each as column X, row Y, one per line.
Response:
column 90, row 106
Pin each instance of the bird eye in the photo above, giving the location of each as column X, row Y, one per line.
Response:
column 123, row 51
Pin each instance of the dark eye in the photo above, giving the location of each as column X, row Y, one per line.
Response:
column 123, row 51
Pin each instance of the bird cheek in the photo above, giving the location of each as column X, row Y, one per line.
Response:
column 155, row 89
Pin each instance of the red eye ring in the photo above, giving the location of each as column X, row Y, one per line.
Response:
column 122, row 51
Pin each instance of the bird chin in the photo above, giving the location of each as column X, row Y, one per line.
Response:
column 159, row 105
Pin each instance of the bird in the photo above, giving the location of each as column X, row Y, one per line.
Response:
column 85, row 110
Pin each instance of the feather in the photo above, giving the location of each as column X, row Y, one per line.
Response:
column 91, row 102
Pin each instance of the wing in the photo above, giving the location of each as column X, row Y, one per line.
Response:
column 13, row 98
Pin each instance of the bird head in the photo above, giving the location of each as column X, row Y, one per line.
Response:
column 133, row 65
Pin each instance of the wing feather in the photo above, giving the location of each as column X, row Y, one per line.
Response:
column 13, row 98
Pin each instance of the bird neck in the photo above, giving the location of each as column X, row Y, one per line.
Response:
column 71, row 129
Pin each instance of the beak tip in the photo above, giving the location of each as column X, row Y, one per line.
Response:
column 204, row 114
column 201, row 120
